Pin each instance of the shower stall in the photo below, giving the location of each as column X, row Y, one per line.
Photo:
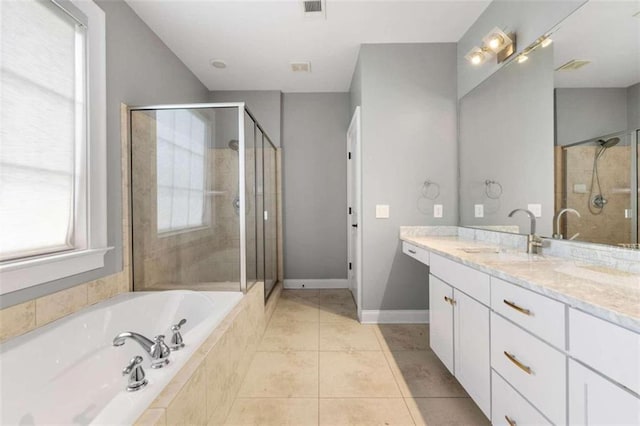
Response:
column 205, row 199
column 599, row 179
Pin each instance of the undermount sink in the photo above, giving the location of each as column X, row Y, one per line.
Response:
column 480, row 249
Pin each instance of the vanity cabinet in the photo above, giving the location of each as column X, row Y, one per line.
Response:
column 459, row 326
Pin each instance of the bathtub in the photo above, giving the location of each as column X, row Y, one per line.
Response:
column 68, row 372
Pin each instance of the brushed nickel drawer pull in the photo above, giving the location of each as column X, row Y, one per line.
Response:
column 412, row 251
column 520, row 365
column 450, row 300
column 516, row 307
column 510, row 421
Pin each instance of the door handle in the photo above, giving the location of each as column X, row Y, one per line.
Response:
column 354, row 225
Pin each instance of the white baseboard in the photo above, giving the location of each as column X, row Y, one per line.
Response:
column 315, row 284
column 395, row 317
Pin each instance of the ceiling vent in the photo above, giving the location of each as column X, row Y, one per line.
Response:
column 314, row 8
column 301, row 66
column 573, row 65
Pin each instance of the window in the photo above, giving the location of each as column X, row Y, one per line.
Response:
column 181, row 169
column 51, row 141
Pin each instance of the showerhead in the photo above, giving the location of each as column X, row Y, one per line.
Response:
column 609, row 142
column 233, row 144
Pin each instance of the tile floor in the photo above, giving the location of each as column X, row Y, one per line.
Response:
column 316, row 365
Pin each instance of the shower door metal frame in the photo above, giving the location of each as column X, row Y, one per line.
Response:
column 241, row 107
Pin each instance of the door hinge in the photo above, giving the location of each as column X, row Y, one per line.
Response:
column 349, row 210
column 350, row 265
column 349, row 156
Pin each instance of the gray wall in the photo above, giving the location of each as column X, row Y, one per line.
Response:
column 633, row 107
column 314, row 185
column 506, row 134
column 140, row 70
column 587, row 113
column 408, row 99
column 528, row 18
column 265, row 105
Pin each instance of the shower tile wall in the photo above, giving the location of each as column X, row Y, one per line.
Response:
column 610, row 226
column 200, row 259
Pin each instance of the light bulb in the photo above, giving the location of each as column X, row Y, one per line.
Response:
column 546, row 42
column 476, row 58
column 496, row 41
column 522, row 58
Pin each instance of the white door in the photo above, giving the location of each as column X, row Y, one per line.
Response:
column 441, row 320
column 471, row 349
column 354, row 232
column 594, row 400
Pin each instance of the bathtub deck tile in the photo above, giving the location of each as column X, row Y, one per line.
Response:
column 17, row 320
column 152, row 417
column 189, row 406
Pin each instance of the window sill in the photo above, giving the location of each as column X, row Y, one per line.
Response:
column 26, row 273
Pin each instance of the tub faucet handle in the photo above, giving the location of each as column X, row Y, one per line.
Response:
column 176, row 340
column 136, row 374
column 159, row 352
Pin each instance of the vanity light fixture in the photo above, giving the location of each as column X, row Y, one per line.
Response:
column 497, row 40
column 546, row 42
column 476, row 56
column 522, row 58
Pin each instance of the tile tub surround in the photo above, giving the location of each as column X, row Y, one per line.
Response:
column 322, row 367
column 604, row 292
column 203, row 390
column 24, row 317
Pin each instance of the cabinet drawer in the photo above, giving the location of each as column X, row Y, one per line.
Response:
column 534, row 368
column 468, row 280
column 535, row 313
column 418, row 253
column 508, row 406
column 612, row 350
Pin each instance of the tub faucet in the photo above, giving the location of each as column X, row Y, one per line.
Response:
column 558, row 235
column 156, row 348
column 177, row 342
column 534, row 243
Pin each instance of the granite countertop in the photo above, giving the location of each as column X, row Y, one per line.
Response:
column 605, row 292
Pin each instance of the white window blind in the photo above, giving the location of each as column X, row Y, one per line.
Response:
column 43, row 130
column 181, row 170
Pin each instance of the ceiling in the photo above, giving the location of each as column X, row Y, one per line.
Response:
column 259, row 39
column 605, row 33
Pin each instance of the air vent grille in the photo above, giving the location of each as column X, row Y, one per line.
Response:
column 573, row 65
column 312, row 6
column 301, row 66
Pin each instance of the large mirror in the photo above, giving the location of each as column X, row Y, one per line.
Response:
column 558, row 131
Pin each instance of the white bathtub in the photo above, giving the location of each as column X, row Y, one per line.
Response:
column 68, row 372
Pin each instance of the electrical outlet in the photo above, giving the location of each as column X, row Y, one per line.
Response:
column 628, row 213
column 437, row 210
column 478, row 210
column 382, row 211
column 536, row 209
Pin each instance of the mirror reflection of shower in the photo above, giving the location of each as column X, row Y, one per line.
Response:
column 597, row 200
column 233, row 145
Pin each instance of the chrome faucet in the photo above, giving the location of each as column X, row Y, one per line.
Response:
column 156, row 348
column 558, row 235
column 534, row 243
column 176, row 339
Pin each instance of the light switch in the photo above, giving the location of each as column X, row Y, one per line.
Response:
column 536, row 209
column 579, row 188
column 382, row 211
column 437, row 210
column 479, row 210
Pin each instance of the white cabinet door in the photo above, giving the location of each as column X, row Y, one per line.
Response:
column 441, row 320
column 594, row 400
column 472, row 339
